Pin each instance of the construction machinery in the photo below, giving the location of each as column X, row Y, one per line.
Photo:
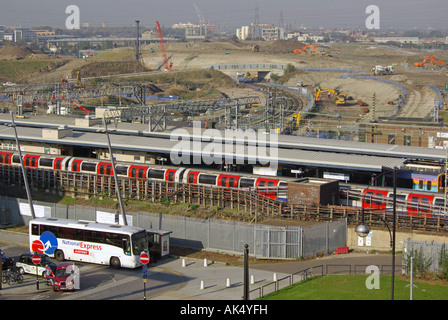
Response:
column 294, row 120
column 79, row 84
column 341, row 99
column 431, row 59
column 247, row 77
column 320, row 90
column 255, row 48
column 306, row 47
column 168, row 67
column 381, row 70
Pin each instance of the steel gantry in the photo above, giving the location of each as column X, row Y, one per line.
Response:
column 157, row 114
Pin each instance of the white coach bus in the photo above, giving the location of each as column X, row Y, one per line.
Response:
column 87, row 241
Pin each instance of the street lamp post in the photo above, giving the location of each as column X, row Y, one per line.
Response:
column 363, row 230
column 25, row 178
column 117, row 186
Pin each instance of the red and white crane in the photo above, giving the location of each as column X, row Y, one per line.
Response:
column 162, row 48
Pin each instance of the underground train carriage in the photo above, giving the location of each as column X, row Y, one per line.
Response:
column 413, row 202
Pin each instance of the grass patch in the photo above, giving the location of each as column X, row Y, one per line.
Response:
column 353, row 287
column 15, row 70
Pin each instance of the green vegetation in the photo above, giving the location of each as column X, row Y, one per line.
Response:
column 353, row 287
column 15, row 70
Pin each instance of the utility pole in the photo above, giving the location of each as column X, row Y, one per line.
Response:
column 137, row 43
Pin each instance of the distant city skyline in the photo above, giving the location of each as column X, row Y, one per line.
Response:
column 399, row 14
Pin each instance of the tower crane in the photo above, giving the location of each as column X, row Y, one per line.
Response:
column 162, row 48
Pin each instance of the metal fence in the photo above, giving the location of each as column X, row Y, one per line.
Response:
column 427, row 253
column 213, row 234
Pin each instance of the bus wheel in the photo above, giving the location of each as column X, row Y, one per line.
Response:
column 59, row 255
column 115, row 263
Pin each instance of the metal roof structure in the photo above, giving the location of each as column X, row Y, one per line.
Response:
column 325, row 156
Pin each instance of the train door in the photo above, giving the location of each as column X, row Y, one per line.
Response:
column 420, row 205
column 267, row 187
column 30, row 161
column 374, row 199
column 170, row 175
column 105, row 168
column 228, row 181
column 76, row 165
column 192, row 177
column 5, row 157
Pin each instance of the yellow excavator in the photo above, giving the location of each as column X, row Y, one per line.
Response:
column 340, row 97
column 320, row 90
column 294, row 119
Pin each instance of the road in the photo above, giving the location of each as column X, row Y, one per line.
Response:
column 177, row 279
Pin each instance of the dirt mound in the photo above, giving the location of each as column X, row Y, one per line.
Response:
column 14, row 52
column 105, row 68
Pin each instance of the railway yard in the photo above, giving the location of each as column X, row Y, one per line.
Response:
column 73, row 97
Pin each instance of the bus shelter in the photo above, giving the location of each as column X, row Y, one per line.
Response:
column 159, row 243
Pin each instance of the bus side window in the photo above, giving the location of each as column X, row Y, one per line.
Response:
column 35, row 230
column 126, row 247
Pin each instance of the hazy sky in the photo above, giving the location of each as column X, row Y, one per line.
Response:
column 230, row 13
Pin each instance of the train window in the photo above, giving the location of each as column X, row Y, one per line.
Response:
column 270, row 183
column 58, row 164
column 420, row 184
column 439, row 202
column 122, row 170
column 33, row 161
column 246, row 183
column 223, row 181
column 191, row 177
column 428, row 185
column 1, row 158
column 156, row 174
column 261, row 183
column 15, row 159
column 171, row 176
column 207, row 179
column 108, row 170
column 232, row 182
column 45, row 162
column 88, row 166
column 75, row 165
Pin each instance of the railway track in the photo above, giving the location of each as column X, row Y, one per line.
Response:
column 251, row 201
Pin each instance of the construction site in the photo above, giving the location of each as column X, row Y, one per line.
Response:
column 350, row 84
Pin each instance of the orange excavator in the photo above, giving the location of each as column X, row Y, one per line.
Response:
column 431, row 59
column 306, row 47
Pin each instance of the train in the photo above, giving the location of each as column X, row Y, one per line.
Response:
column 408, row 202
column 269, row 186
column 423, row 194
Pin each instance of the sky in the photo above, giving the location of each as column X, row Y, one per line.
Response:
column 401, row 14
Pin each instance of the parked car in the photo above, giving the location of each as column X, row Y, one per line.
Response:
column 61, row 281
column 7, row 262
column 25, row 265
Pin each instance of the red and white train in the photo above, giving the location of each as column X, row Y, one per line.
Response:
column 411, row 202
column 272, row 187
